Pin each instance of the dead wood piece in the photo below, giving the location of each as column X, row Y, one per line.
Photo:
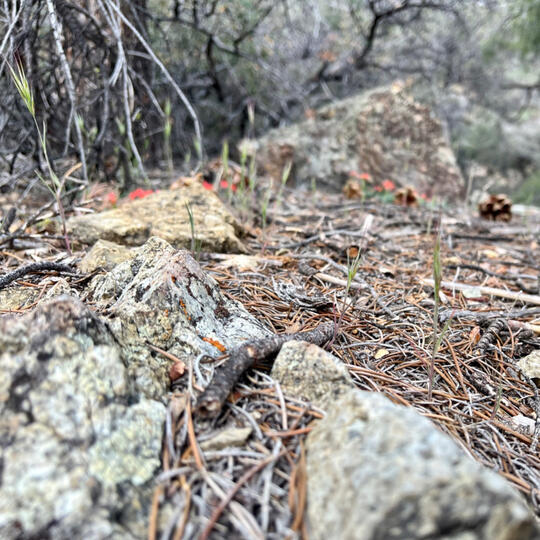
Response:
column 511, row 295
column 244, row 357
column 33, row 267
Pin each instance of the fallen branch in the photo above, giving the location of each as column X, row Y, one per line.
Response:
column 244, row 357
column 34, row 267
column 511, row 295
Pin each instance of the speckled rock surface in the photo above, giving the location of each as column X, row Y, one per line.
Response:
column 164, row 214
column 380, row 471
column 163, row 297
column 307, row 371
column 383, row 132
column 104, row 255
column 82, row 396
column 530, row 365
column 16, row 297
column 79, row 446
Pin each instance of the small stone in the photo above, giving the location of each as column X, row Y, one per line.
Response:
column 105, row 255
column 305, row 370
column 228, row 437
column 530, row 365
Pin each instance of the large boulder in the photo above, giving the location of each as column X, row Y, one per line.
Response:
column 377, row 470
column 78, row 444
column 382, row 132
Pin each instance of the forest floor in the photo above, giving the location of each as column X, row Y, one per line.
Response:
column 296, row 278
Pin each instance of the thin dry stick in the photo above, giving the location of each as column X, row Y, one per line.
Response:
column 33, row 267
column 152, row 522
column 180, row 527
column 223, row 504
column 121, row 66
column 9, row 31
column 301, row 490
column 165, row 72
column 511, row 295
column 70, row 86
column 192, row 438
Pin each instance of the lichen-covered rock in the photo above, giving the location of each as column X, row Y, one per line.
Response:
column 78, row 444
column 82, row 398
column 164, row 214
column 162, row 297
column 383, row 132
column 530, row 365
column 380, row 471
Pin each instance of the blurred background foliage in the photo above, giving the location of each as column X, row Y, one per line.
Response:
column 149, row 74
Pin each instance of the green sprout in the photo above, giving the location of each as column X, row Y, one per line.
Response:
column 284, row 177
column 264, row 205
column 437, row 279
column 195, row 242
column 54, row 185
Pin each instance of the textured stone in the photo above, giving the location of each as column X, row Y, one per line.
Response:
column 380, row 471
column 82, row 398
column 377, row 470
column 14, row 298
column 78, row 445
column 104, row 255
column 164, row 214
column 17, row 298
column 163, row 297
column 530, row 365
column 383, row 132
column 305, row 370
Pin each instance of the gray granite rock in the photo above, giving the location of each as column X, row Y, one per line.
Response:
column 380, row 471
column 82, row 396
column 163, row 297
column 78, row 444
column 17, row 297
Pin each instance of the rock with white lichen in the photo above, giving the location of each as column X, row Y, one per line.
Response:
column 78, row 444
